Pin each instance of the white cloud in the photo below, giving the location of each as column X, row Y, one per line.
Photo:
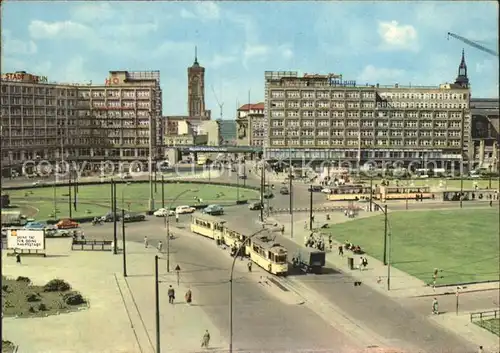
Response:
column 372, row 74
column 208, row 10
column 396, row 36
column 285, row 51
column 50, row 30
column 93, row 12
column 187, row 14
column 220, row 61
column 14, row 46
column 170, row 49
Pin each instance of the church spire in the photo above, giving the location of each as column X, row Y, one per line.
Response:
column 196, row 55
column 462, row 78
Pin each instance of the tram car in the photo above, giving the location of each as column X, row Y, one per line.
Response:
column 350, row 193
column 206, row 225
column 404, row 192
column 268, row 254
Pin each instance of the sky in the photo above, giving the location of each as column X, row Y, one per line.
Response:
column 370, row 42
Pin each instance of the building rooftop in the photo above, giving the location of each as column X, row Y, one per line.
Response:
column 247, row 107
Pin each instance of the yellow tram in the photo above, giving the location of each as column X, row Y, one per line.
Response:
column 268, row 254
column 206, row 225
column 262, row 249
column 404, row 192
column 350, row 193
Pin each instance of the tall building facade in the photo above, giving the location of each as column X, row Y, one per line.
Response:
column 113, row 122
column 324, row 117
column 485, row 133
column 251, row 125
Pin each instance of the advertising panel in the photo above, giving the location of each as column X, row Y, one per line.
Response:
column 26, row 239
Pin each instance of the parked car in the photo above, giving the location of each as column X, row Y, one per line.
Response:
column 163, row 212
column 108, row 217
column 315, row 188
column 326, row 191
column 255, row 206
column 184, row 209
column 35, row 225
column 134, row 217
column 242, row 176
column 67, row 224
column 284, row 190
column 214, row 210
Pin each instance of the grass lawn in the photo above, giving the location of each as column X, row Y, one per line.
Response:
column 492, row 325
column 95, row 199
column 446, row 184
column 21, row 298
column 464, row 244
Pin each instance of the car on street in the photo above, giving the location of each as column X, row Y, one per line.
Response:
column 284, row 190
column 255, row 206
column 213, row 210
column 326, row 191
column 315, row 188
column 163, row 212
column 134, row 217
column 38, row 183
column 35, row 225
column 67, row 224
column 268, row 194
column 108, row 217
column 184, row 209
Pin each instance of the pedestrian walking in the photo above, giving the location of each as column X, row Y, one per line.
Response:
column 160, row 246
column 206, row 339
column 282, row 229
column 146, row 243
column 305, row 224
column 249, row 265
column 18, row 258
column 361, row 263
column 189, row 297
column 480, row 350
column 171, row 294
column 435, row 307
column 341, row 250
column 491, row 203
column 176, row 217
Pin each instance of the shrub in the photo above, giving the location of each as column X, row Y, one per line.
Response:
column 23, row 279
column 5, row 288
column 32, row 310
column 73, row 298
column 42, row 307
column 33, row 297
column 56, row 285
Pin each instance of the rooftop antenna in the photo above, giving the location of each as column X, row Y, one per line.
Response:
column 196, row 54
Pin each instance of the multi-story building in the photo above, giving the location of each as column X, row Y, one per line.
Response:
column 485, row 132
column 322, row 117
column 251, row 125
column 227, row 132
column 112, row 122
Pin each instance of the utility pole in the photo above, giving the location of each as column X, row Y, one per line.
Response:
column 69, row 194
column 123, row 241
column 157, row 306
column 238, row 183
column 290, row 176
column 389, row 261
column 371, row 191
column 262, row 192
column 162, row 191
column 385, row 234
column 75, row 189
column 311, row 208
column 167, row 220
column 462, row 138
column 115, row 216
column 152, row 134
column 155, row 183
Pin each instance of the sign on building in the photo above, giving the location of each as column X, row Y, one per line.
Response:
column 24, row 77
column 26, row 239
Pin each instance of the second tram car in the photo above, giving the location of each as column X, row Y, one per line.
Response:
column 404, row 192
column 350, row 193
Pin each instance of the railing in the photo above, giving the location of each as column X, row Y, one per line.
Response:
column 491, row 314
column 102, row 245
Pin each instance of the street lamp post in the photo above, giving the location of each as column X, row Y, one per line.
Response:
column 157, row 305
column 387, row 243
column 311, row 208
column 162, row 191
column 167, row 223
column 489, row 174
column 231, row 287
column 290, row 175
column 124, row 247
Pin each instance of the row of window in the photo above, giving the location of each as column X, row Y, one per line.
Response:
column 370, row 142
column 355, row 94
column 364, row 114
column 126, row 94
column 354, row 133
column 42, row 91
column 326, row 123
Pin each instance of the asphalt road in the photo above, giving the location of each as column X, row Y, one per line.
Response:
column 264, row 320
column 403, row 325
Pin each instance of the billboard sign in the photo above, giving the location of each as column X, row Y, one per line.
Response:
column 26, row 239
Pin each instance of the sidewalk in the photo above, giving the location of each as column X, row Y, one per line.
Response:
column 120, row 317
column 376, row 274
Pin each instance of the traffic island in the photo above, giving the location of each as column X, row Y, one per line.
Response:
column 22, row 299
